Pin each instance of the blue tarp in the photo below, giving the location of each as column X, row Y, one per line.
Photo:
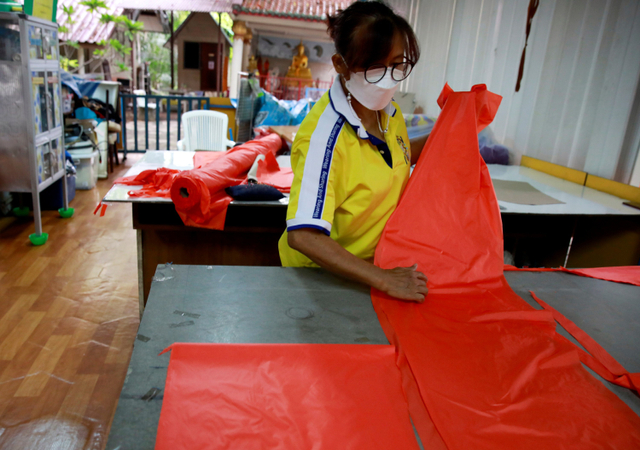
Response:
column 275, row 112
column 81, row 87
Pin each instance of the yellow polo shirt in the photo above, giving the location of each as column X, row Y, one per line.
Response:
column 342, row 184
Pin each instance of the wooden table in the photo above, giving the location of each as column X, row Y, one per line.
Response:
column 250, row 237
column 288, row 133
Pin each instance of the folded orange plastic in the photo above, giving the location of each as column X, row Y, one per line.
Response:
column 598, row 359
column 199, row 194
column 488, row 370
column 285, row 396
column 620, row 274
column 617, row 274
column 155, row 183
column 270, row 172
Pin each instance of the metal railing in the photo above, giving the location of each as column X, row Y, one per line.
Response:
column 152, row 104
column 135, row 137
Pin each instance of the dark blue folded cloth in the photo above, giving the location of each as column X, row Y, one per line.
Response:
column 254, row 192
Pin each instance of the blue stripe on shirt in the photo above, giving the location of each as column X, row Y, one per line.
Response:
column 315, row 227
column 326, row 167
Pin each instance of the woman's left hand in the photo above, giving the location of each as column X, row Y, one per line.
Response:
column 416, row 148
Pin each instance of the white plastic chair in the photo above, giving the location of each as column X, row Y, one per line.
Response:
column 140, row 100
column 205, row 130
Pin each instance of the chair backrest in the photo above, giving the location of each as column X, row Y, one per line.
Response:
column 205, row 130
column 139, row 100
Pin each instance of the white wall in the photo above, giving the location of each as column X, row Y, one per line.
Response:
column 578, row 103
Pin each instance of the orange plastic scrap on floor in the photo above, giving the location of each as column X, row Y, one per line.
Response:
column 482, row 368
column 285, row 396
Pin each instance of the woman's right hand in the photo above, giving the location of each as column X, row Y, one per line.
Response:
column 405, row 283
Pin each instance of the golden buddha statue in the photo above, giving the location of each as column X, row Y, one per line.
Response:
column 253, row 65
column 299, row 68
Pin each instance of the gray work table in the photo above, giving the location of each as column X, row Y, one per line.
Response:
column 223, row 304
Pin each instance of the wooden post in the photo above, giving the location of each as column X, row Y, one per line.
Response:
column 80, row 52
column 239, row 32
column 219, row 57
column 173, row 84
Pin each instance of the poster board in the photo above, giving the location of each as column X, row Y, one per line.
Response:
column 42, row 9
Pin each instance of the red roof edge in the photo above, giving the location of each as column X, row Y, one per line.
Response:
column 238, row 9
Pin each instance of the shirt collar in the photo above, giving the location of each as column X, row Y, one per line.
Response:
column 340, row 104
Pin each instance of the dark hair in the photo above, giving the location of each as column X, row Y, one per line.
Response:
column 364, row 32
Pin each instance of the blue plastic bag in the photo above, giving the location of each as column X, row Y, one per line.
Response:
column 274, row 112
column 271, row 112
column 490, row 150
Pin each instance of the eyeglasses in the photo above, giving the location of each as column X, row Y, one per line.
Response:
column 399, row 71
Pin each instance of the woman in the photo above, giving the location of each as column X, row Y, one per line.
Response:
column 351, row 157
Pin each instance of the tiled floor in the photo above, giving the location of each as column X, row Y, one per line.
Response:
column 68, row 318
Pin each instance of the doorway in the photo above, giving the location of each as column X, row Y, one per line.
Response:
column 208, row 67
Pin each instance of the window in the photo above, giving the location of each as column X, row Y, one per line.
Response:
column 88, row 54
column 191, row 55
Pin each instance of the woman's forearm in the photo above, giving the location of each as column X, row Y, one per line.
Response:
column 404, row 283
column 328, row 254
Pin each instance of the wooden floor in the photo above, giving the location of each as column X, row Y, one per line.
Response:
column 68, row 318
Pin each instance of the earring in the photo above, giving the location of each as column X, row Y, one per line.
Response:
column 351, row 106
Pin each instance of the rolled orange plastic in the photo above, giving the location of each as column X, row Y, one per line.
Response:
column 199, row 195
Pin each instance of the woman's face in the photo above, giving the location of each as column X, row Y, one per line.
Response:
column 396, row 55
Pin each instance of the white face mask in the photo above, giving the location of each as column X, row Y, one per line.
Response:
column 373, row 96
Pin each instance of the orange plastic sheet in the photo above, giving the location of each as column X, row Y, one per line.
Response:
column 155, row 183
column 270, row 172
column 598, row 358
column 201, row 159
column 618, row 274
column 285, row 396
column 482, row 368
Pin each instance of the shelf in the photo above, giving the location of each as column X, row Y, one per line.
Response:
column 49, row 181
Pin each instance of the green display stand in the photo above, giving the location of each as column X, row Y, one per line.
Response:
column 66, row 213
column 38, row 240
column 21, row 211
column 43, row 9
column 10, row 6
